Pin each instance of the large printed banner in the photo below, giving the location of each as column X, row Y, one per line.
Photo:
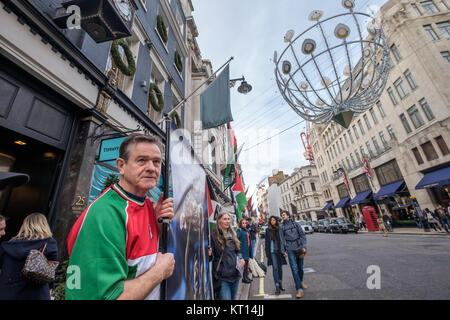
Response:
column 188, row 237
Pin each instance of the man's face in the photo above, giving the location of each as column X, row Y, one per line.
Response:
column 285, row 216
column 142, row 170
column 2, row 228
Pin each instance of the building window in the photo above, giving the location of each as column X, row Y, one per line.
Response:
column 375, row 143
column 426, row 109
column 348, row 163
column 415, row 116
column 388, row 173
column 313, row 186
column 369, row 149
column 357, row 157
column 446, row 56
column 416, row 9
column 417, row 156
column 361, row 183
column 316, row 201
column 391, row 132
column 445, row 29
column 350, row 135
column 396, row 53
column 392, row 96
column 309, row 173
column 429, row 151
column 443, row 5
column 361, row 127
column 410, row 79
column 355, row 131
column 366, row 120
column 405, row 123
column 429, row 7
column 342, row 143
column 430, row 31
column 353, row 159
column 380, row 108
column 442, row 145
column 374, row 115
column 383, row 139
column 401, row 88
column 346, row 140
column 363, row 153
column 338, row 148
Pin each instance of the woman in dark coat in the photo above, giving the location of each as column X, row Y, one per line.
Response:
column 34, row 234
column 273, row 252
column 244, row 237
column 225, row 254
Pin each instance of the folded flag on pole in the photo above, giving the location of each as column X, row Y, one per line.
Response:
column 215, row 106
column 366, row 169
column 228, row 177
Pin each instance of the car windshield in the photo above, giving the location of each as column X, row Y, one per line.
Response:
column 340, row 221
column 303, row 223
column 326, row 223
column 313, row 223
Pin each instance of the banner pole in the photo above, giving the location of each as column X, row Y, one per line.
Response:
column 165, row 222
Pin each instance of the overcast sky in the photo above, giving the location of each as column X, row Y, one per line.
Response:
column 251, row 31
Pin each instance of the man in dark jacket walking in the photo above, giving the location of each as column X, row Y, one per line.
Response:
column 293, row 246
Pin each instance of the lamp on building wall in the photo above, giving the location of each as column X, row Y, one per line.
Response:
column 244, row 88
column 343, row 73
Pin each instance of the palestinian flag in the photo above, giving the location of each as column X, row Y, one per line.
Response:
column 239, row 195
column 228, row 177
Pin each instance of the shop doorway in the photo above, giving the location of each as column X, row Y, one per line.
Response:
column 19, row 153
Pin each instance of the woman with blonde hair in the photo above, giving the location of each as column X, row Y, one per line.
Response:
column 226, row 258
column 34, row 233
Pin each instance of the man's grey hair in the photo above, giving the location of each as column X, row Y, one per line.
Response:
column 124, row 151
column 2, row 218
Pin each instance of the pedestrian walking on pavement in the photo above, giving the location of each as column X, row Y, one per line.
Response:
column 432, row 220
column 253, row 229
column 416, row 218
column 293, row 247
column 381, row 225
column 387, row 220
column 243, row 234
column 363, row 221
column 226, row 258
column 33, row 234
column 444, row 218
column 273, row 253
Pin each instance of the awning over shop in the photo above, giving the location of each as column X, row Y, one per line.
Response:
column 329, row 204
column 435, row 178
column 360, row 197
column 389, row 190
column 342, row 202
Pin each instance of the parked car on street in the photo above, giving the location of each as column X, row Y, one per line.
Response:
column 306, row 227
column 314, row 226
column 342, row 225
column 324, row 225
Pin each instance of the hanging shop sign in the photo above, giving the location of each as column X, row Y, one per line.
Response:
column 109, row 149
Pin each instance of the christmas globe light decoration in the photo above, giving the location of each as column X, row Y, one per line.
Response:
column 334, row 69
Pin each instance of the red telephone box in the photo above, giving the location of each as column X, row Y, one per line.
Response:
column 370, row 215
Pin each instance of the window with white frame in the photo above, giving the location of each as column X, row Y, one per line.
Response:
column 426, row 109
column 429, row 7
column 380, row 108
column 415, row 117
column 375, row 143
column 361, row 128
column 366, row 120
column 392, row 96
column 430, row 31
column 410, row 79
column 390, row 130
column 405, row 123
column 444, row 27
column 383, row 139
column 416, row 9
column 443, row 4
column 446, row 56
column 401, row 88
column 396, row 53
column 355, row 131
column 374, row 116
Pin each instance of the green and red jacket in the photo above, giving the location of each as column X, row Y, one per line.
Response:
column 115, row 239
